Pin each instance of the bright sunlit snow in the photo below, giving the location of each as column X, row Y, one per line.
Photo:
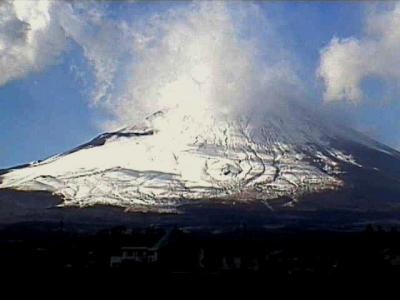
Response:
column 156, row 164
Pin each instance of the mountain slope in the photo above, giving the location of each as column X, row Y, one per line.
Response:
column 172, row 159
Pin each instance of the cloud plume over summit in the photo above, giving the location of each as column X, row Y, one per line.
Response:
column 195, row 59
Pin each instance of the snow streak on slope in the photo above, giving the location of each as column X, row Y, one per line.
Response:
column 156, row 165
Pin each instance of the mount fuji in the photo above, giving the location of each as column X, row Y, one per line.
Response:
column 282, row 161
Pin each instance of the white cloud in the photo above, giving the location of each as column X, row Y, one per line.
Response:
column 201, row 57
column 33, row 34
column 345, row 63
column 29, row 38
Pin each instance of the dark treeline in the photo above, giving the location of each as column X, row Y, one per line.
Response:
column 174, row 252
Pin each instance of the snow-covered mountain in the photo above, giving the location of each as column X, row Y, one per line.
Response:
column 172, row 158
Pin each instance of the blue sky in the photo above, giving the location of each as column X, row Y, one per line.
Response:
column 48, row 110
